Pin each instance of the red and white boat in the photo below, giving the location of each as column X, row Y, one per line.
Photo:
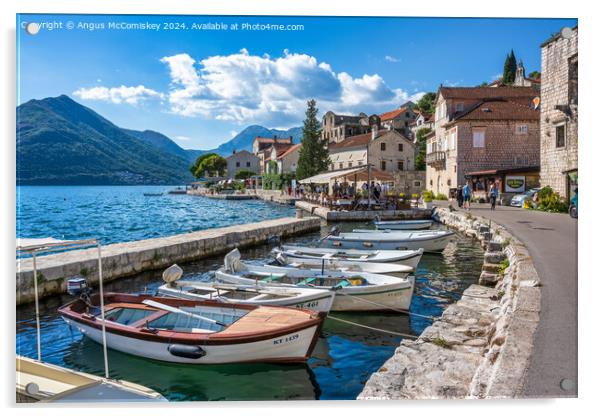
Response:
column 197, row 332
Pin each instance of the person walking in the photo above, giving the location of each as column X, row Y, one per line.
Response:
column 459, row 197
column 493, row 194
column 467, row 194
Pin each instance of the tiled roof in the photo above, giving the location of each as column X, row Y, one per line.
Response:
column 288, row 151
column 390, row 115
column 272, row 139
column 353, row 141
column 499, row 109
column 479, row 93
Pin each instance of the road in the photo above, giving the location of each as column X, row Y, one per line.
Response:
column 552, row 242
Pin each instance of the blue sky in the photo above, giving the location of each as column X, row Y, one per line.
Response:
column 200, row 87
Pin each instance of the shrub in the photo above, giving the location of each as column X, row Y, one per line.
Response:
column 428, row 196
column 414, row 196
column 503, row 266
column 244, row 174
column 550, row 201
column 441, row 197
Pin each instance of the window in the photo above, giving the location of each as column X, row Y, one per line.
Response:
column 383, row 147
column 478, row 138
column 248, row 164
column 359, row 163
column 350, row 164
column 400, row 147
column 417, row 184
column 459, row 106
column 340, row 165
column 522, row 129
column 407, row 114
column 332, row 166
column 383, row 165
column 400, row 165
column 560, row 135
column 237, row 164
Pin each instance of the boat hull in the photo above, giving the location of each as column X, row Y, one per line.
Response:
column 294, row 346
column 403, row 225
column 321, row 301
column 436, row 244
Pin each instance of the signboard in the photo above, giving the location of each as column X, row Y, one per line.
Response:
column 514, row 184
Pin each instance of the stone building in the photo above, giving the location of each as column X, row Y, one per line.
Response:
column 242, row 160
column 262, row 148
column 286, row 158
column 559, row 142
column 337, row 127
column 399, row 119
column 520, row 79
column 422, row 121
column 481, row 134
column 385, row 150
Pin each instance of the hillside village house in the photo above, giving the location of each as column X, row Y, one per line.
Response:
column 386, row 150
column 286, row 159
column 559, row 141
column 263, row 146
column 242, row 160
column 337, row 127
column 399, row 119
column 422, row 121
column 484, row 134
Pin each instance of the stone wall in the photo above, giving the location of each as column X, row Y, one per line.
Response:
column 410, row 182
column 130, row 258
column 556, row 55
column 335, row 216
column 481, row 345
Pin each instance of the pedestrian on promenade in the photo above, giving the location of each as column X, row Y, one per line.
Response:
column 377, row 191
column 467, row 194
column 459, row 197
column 493, row 194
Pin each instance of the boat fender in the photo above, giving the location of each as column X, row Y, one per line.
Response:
column 186, row 351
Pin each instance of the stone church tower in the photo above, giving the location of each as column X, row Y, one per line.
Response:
column 519, row 79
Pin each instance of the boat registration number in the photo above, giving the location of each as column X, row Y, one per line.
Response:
column 286, row 339
column 308, row 305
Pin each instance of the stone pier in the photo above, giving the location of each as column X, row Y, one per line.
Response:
column 129, row 258
column 390, row 214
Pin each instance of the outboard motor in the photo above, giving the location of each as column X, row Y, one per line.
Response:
column 334, row 231
column 77, row 286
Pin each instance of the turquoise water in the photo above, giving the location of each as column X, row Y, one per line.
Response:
column 122, row 213
column 343, row 360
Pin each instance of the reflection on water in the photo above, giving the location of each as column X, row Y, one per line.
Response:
column 344, row 358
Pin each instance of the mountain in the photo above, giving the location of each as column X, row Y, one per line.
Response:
column 62, row 142
column 164, row 143
column 244, row 139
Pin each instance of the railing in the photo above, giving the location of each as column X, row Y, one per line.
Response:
column 436, row 159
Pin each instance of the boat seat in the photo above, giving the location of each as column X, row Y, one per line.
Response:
column 343, row 283
column 272, row 278
column 307, row 281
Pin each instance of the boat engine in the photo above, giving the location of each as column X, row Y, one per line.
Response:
column 77, row 286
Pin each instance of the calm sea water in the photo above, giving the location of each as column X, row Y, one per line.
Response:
column 343, row 360
column 122, row 213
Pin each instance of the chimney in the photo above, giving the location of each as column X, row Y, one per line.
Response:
column 374, row 131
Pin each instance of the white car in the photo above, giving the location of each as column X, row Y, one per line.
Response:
column 519, row 200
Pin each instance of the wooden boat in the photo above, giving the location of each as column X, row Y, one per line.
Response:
column 319, row 300
column 409, row 258
column 355, row 291
column 404, row 225
column 177, row 191
column 431, row 241
column 153, row 193
column 197, row 332
column 391, row 269
column 42, row 382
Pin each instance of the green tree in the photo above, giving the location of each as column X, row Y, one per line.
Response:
column 420, row 160
column 313, row 155
column 426, row 103
column 195, row 166
column 509, row 69
column 244, row 174
column 535, row 75
column 214, row 165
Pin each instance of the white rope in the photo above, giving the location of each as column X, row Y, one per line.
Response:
column 372, row 328
column 388, row 307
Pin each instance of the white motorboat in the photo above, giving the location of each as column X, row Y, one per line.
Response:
column 355, row 291
column 409, row 258
column 404, row 225
column 319, row 300
column 430, row 241
column 391, row 269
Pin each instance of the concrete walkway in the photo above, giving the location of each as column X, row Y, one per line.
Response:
column 552, row 243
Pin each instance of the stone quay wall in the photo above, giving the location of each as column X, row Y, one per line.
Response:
column 390, row 214
column 481, row 345
column 129, row 258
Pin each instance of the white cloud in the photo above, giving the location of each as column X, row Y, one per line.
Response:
column 250, row 88
column 183, row 138
column 390, row 58
column 118, row 95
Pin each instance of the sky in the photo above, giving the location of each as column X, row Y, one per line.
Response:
column 202, row 79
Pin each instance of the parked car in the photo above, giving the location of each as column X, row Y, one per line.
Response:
column 573, row 206
column 519, row 200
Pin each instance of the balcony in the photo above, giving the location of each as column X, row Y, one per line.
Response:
column 436, row 159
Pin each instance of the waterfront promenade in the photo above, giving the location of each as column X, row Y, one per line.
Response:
column 552, row 242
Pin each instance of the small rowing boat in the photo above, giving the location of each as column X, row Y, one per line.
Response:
column 391, row 269
column 153, row 193
column 319, row 300
column 404, row 225
column 409, row 258
column 197, row 332
column 355, row 291
column 431, row 241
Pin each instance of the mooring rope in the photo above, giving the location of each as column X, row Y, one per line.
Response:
column 389, row 307
column 399, row 334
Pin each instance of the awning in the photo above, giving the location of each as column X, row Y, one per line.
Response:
column 359, row 173
column 503, row 171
